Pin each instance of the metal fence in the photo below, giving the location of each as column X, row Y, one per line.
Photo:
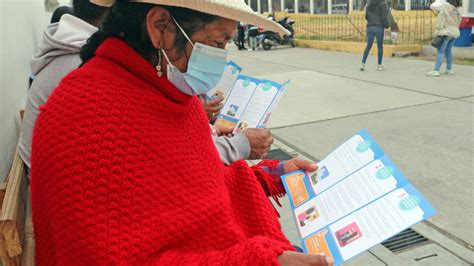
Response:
column 414, row 4
column 414, row 28
column 341, row 6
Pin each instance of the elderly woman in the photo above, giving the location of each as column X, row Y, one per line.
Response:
column 124, row 170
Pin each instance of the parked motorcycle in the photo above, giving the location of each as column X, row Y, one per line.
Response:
column 270, row 39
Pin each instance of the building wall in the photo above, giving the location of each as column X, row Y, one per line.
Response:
column 21, row 24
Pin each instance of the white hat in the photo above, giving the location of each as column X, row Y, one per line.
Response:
column 104, row 3
column 236, row 10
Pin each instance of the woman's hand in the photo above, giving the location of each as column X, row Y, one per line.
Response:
column 393, row 36
column 260, row 141
column 301, row 259
column 299, row 164
column 223, row 131
column 212, row 108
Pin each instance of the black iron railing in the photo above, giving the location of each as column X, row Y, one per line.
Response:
column 415, row 27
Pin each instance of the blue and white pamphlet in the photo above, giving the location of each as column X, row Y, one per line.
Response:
column 355, row 200
column 226, row 83
column 248, row 102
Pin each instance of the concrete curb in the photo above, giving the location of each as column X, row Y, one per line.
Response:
column 357, row 47
column 458, row 52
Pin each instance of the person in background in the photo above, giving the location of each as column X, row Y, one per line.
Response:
column 59, row 12
column 447, row 25
column 376, row 14
column 57, row 56
column 253, row 40
column 249, row 145
column 124, row 167
column 241, row 36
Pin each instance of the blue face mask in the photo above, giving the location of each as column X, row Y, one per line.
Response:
column 205, row 68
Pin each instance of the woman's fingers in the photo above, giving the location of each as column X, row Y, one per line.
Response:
column 216, row 101
column 299, row 164
column 288, row 258
column 215, row 109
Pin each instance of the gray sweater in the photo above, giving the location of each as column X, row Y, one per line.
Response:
column 58, row 55
column 232, row 149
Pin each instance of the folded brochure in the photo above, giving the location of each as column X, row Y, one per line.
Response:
column 355, row 200
column 248, row 102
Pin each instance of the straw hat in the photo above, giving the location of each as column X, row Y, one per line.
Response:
column 104, row 3
column 236, row 10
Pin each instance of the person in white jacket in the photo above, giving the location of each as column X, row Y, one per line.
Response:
column 447, row 26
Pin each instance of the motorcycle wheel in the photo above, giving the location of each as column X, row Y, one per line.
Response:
column 266, row 46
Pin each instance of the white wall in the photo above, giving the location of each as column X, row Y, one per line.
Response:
column 21, row 25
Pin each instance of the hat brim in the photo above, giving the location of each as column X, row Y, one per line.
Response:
column 235, row 10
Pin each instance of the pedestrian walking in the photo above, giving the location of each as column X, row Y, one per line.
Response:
column 447, row 30
column 241, row 36
column 253, row 33
column 376, row 15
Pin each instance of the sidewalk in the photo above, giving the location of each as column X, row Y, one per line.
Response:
column 424, row 124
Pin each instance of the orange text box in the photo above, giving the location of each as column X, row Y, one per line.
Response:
column 317, row 244
column 222, row 122
column 298, row 191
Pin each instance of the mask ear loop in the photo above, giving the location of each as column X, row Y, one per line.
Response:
column 158, row 67
column 182, row 31
column 166, row 58
column 165, row 55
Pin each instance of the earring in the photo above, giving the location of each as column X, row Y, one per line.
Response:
column 158, row 66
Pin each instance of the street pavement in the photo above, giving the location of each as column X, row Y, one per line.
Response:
column 424, row 124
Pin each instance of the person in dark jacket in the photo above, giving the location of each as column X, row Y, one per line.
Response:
column 376, row 15
column 241, row 36
column 253, row 40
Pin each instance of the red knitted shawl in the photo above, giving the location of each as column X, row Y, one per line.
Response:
column 124, row 171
